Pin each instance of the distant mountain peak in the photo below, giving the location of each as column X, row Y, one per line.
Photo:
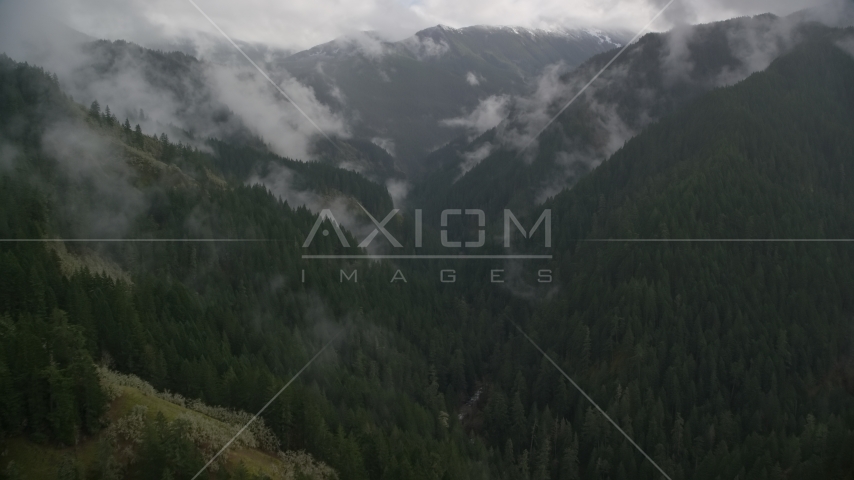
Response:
column 616, row 39
column 403, row 90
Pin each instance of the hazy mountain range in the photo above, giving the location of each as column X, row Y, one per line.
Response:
column 404, row 95
column 655, row 77
column 407, row 97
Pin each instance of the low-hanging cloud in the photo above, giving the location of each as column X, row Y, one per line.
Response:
column 487, row 115
column 425, row 47
column 398, row 190
column 847, row 45
column 175, row 92
column 757, row 45
column 386, row 144
column 676, row 62
column 96, row 170
column 9, row 155
column 278, row 122
column 473, row 158
column 369, row 44
column 530, row 113
column 602, row 123
column 834, row 13
column 285, row 185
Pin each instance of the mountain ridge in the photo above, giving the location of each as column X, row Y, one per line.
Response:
column 655, row 76
column 402, row 91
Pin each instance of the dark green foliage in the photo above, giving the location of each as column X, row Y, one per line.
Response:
column 49, row 385
column 168, row 451
column 138, row 138
column 95, row 111
column 68, row 469
column 108, row 118
column 642, row 85
column 226, row 323
column 12, row 472
column 721, row 360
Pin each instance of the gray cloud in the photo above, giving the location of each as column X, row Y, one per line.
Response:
column 369, row 44
column 836, row 13
column 847, row 45
column 176, row 93
column 265, row 112
column 757, row 45
column 677, row 64
column 386, row 144
column 398, row 190
column 96, row 168
column 753, row 42
column 488, row 114
column 283, row 183
column 425, row 47
column 8, row 156
column 473, row 158
column 532, row 112
column 300, row 24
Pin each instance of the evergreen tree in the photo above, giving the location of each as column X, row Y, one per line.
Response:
column 138, row 137
column 95, row 111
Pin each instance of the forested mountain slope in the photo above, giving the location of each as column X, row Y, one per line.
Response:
column 191, row 99
column 722, row 359
column 227, row 323
column 381, row 102
column 656, row 76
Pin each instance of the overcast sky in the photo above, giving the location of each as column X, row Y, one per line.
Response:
column 300, row 24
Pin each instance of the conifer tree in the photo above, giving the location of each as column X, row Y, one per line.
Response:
column 138, row 137
column 95, row 111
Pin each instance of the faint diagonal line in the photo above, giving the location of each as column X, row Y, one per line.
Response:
column 262, row 72
column 268, row 404
column 628, row 44
column 588, row 398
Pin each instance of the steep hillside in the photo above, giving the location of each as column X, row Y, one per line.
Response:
column 138, row 418
column 726, row 356
column 227, row 322
column 656, row 76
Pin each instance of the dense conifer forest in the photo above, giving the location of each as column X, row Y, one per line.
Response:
column 721, row 359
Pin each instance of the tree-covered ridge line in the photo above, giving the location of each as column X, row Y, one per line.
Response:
column 237, row 161
column 226, row 324
column 657, row 76
column 720, row 359
column 189, row 92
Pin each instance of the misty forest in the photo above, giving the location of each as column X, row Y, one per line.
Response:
column 181, row 249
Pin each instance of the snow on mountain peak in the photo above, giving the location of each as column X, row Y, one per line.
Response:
column 558, row 31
